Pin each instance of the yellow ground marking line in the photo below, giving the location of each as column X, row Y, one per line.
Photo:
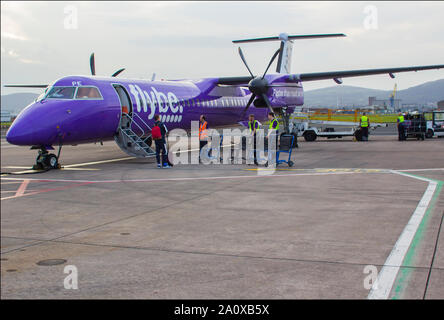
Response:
column 96, row 162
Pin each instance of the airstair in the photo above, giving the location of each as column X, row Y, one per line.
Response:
column 133, row 135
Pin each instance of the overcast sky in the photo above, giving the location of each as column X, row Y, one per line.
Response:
column 43, row 41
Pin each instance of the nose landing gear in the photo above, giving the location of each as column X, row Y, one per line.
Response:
column 46, row 160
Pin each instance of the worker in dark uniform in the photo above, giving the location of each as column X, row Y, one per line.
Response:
column 365, row 123
column 161, row 146
column 253, row 126
column 401, row 128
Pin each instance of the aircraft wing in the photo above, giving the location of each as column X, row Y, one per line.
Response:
column 357, row 73
column 26, row 85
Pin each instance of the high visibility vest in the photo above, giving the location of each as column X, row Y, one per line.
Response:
column 271, row 124
column 364, row 121
column 401, row 119
column 203, row 134
column 250, row 126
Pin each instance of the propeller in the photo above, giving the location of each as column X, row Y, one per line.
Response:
column 92, row 65
column 258, row 86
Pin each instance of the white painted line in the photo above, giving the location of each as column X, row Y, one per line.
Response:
column 413, row 170
column 386, row 278
column 188, row 179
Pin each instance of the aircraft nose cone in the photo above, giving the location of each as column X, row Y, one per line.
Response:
column 30, row 128
column 17, row 134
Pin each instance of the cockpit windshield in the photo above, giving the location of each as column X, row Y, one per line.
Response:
column 68, row 93
column 88, row 93
column 61, row 93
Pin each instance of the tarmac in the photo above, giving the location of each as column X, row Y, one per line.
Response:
column 311, row 231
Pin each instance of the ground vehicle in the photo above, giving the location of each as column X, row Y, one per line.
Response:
column 303, row 129
column 434, row 123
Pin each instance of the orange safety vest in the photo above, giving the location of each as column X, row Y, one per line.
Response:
column 203, row 131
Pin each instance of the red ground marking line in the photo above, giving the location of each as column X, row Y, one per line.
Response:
column 21, row 190
column 47, row 190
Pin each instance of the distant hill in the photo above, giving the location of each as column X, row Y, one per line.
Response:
column 15, row 102
column 429, row 92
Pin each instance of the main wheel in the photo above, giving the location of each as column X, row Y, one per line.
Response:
column 52, row 161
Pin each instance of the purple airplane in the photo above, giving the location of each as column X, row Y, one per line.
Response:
column 85, row 109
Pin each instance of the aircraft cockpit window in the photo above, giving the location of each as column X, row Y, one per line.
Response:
column 61, row 93
column 43, row 94
column 88, row 93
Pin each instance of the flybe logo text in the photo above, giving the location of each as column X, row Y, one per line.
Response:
column 164, row 102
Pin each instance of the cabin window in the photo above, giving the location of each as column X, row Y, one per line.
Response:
column 88, row 93
column 61, row 93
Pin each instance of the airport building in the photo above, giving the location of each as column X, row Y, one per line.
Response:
column 6, row 116
column 384, row 103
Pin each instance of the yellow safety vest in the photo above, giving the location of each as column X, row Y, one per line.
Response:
column 401, row 119
column 251, row 127
column 364, row 121
column 271, row 124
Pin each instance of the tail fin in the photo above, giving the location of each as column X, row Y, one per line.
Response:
column 284, row 60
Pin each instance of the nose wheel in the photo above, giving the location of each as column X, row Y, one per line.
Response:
column 46, row 160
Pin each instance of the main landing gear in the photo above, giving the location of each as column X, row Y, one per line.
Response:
column 46, row 160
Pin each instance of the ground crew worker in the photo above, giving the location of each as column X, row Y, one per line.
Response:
column 203, row 133
column 161, row 146
column 364, row 122
column 401, row 128
column 273, row 129
column 253, row 125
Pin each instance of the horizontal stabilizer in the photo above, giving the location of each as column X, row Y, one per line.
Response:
column 294, row 37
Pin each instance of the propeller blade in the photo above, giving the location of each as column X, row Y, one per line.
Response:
column 153, row 77
column 115, row 74
column 271, row 61
column 245, row 62
column 253, row 96
column 92, row 64
column 267, row 102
